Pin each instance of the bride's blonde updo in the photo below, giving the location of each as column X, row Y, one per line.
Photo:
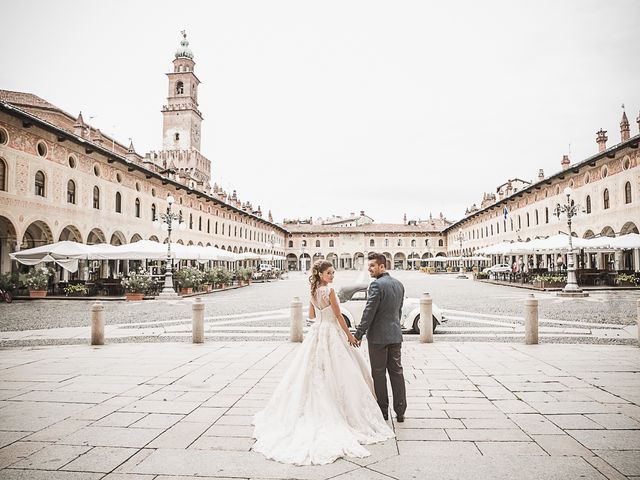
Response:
column 318, row 267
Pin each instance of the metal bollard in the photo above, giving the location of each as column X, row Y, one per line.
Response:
column 426, row 319
column 197, row 321
column 531, row 320
column 295, row 332
column 97, row 324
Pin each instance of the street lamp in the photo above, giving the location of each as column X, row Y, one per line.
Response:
column 570, row 209
column 167, row 222
column 460, row 237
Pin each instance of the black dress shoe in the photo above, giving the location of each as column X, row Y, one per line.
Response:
column 400, row 418
column 385, row 416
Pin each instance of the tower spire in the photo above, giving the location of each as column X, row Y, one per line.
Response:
column 624, row 126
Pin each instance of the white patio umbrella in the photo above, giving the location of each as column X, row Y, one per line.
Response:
column 149, row 250
column 64, row 253
column 271, row 257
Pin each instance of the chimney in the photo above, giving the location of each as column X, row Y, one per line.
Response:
column 624, row 127
column 540, row 175
column 565, row 162
column 97, row 137
column 500, row 195
column 638, row 121
column 601, row 139
column 509, row 188
column 362, row 213
column 405, row 219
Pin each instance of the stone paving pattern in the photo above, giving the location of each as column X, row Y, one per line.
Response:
column 175, row 410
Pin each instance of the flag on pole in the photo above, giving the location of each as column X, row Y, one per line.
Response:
column 505, row 212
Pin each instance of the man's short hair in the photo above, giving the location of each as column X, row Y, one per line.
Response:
column 379, row 258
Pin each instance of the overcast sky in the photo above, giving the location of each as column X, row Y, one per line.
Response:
column 332, row 107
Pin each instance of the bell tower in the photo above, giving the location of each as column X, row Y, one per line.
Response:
column 181, row 117
column 181, row 121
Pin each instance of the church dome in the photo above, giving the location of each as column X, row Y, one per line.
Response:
column 184, row 51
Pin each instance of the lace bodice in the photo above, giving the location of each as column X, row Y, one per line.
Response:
column 321, row 298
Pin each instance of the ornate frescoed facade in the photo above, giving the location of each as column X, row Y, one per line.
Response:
column 606, row 186
column 62, row 179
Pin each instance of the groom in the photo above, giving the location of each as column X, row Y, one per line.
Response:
column 381, row 323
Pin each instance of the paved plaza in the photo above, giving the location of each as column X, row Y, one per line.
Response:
column 475, row 311
column 175, row 410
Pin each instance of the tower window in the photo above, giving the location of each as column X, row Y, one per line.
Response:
column 179, row 88
column 176, row 136
column 118, row 202
column 605, row 198
column 588, row 201
column 137, row 207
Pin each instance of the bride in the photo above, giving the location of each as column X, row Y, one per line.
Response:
column 324, row 407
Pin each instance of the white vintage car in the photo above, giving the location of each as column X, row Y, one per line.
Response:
column 353, row 299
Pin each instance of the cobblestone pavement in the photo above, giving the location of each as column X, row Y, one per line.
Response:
column 178, row 411
column 474, row 311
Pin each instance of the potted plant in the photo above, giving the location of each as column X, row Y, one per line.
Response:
column 136, row 285
column 189, row 278
column 481, row 275
column 75, row 290
column 627, row 280
column 9, row 282
column 244, row 275
column 224, row 277
column 37, row 280
column 209, row 279
column 549, row 281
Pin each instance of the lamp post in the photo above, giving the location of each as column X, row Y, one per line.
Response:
column 167, row 222
column 570, row 209
column 459, row 238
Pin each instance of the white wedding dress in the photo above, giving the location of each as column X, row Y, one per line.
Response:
column 324, row 406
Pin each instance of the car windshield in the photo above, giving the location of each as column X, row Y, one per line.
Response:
column 348, row 292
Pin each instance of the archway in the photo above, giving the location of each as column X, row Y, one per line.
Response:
column 8, row 244
column 36, row 234
column 136, row 238
column 305, row 262
column 399, row 261
column 607, row 232
column 70, row 233
column 629, row 227
column 317, row 256
column 389, row 257
column 153, row 238
column 96, row 236
column 333, row 258
column 346, row 262
column 359, row 262
column 118, row 238
column 413, row 261
column 589, row 234
column 292, row 261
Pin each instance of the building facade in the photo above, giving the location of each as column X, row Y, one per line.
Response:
column 347, row 243
column 606, row 187
column 62, row 179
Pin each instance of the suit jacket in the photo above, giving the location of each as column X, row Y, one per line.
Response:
column 381, row 317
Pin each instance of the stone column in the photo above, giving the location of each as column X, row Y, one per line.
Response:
column 295, row 332
column 97, row 324
column 197, row 321
column 531, row 320
column 426, row 319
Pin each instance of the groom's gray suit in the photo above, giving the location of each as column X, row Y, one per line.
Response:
column 381, row 323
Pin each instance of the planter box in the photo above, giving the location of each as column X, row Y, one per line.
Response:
column 37, row 293
column 131, row 296
column 186, row 290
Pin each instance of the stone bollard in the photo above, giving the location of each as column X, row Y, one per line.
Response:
column 295, row 333
column 531, row 320
column 426, row 319
column 97, row 324
column 197, row 321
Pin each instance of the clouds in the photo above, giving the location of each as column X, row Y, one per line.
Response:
column 442, row 101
